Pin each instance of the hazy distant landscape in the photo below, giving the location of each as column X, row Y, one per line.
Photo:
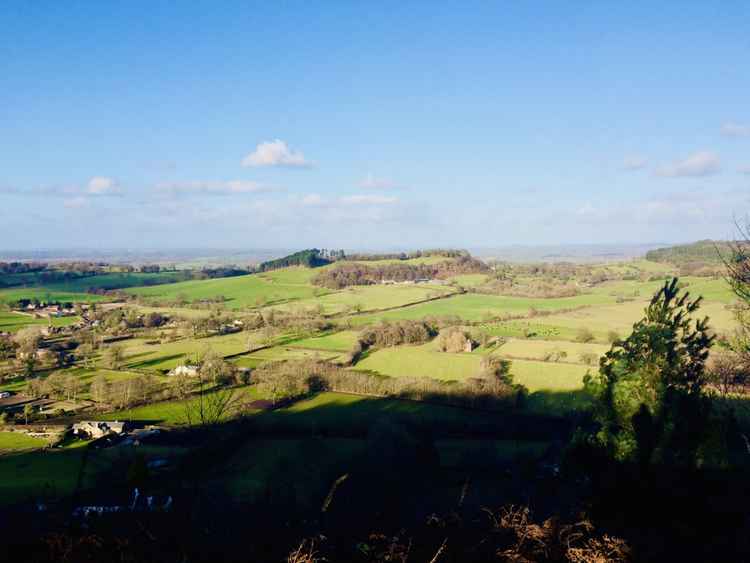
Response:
column 215, row 257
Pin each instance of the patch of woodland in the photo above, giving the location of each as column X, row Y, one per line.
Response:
column 346, row 274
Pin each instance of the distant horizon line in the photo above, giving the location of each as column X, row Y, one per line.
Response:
column 373, row 249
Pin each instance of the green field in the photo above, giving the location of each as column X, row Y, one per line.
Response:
column 175, row 412
column 12, row 322
column 15, row 441
column 353, row 412
column 32, row 475
column 139, row 354
column 294, row 275
column 46, row 295
column 548, row 376
column 241, row 292
column 537, row 349
column 477, row 307
column 621, row 317
column 375, row 297
column 180, row 312
column 342, row 341
column 115, row 281
column 427, row 361
column 421, row 361
column 261, row 463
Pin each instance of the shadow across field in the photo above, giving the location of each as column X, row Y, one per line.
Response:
column 559, row 403
column 353, row 416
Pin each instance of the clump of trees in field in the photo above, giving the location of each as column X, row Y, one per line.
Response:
column 387, row 334
column 310, row 258
column 411, row 255
column 123, row 319
column 455, row 339
column 396, row 333
column 347, row 274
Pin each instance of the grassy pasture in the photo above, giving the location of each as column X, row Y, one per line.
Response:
column 183, row 312
column 711, row 289
column 530, row 329
column 13, row 322
column 15, row 441
column 549, row 376
column 119, row 280
column 342, row 341
column 261, row 463
column 475, row 307
column 538, row 349
column 426, row 361
column 32, row 475
column 174, row 412
column 355, row 412
column 241, row 292
column 141, row 355
column 421, row 361
column 277, row 353
column 294, row 275
column 621, row 317
column 47, row 295
column 374, row 297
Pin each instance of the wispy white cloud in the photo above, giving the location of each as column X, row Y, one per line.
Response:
column 76, row 202
column 667, row 212
column 368, row 200
column 634, row 162
column 95, row 187
column 312, row 199
column 732, row 129
column 699, row 164
column 102, row 185
column 230, row 187
column 275, row 153
column 744, row 170
column 371, row 182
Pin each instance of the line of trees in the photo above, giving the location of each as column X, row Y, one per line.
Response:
column 444, row 252
column 493, row 388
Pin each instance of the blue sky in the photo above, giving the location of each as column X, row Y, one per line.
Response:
column 378, row 124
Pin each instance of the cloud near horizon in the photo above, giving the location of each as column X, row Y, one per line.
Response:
column 275, row 153
column 102, row 185
column 732, row 129
column 349, row 200
column 371, row 182
column 229, row 187
column 697, row 165
column 368, row 200
column 634, row 162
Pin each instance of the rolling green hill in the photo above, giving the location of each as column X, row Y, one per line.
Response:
column 707, row 251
